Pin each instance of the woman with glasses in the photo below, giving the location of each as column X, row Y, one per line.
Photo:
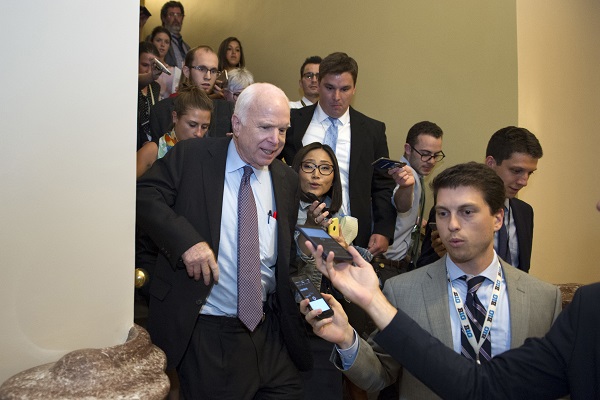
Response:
column 161, row 38
column 320, row 192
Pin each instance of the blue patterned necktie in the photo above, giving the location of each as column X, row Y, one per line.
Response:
column 250, row 307
column 476, row 313
column 332, row 133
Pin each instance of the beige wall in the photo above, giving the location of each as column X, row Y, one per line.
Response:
column 67, row 178
column 559, row 100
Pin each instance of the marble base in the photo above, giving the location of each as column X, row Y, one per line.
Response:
column 133, row 370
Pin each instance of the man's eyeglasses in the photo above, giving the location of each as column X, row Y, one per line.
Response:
column 310, row 75
column 174, row 14
column 204, row 70
column 426, row 156
column 324, row 169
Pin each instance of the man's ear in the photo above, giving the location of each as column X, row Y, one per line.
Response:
column 490, row 162
column 407, row 149
column 498, row 219
column 235, row 125
column 186, row 71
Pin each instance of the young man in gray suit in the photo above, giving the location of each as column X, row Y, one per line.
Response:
column 469, row 209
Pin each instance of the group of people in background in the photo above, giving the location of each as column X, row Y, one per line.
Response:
column 216, row 229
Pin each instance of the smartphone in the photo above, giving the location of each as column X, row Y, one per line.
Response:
column 334, row 227
column 318, row 236
column 307, row 290
column 385, row 163
column 311, row 198
column 222, row 79
column 160, row 66
column 433, row 226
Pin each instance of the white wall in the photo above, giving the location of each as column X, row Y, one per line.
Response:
column 559, row 100
column 67, row 197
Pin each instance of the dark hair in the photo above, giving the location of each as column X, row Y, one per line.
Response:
column 335, row 192
column 170, row 4
column 423, row 128
column 222, row 54
column 189, row 60
column 310, row 60
column 191, row 97
column 147, row 47
column 513, row 139
column 160, row 29
column 475, row 175
column 338, row 63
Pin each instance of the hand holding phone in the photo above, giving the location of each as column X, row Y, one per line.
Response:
column 318, row 236
column 385, row 164
column 161, row 67
column 307, row 290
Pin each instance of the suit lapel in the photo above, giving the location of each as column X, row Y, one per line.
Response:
column 357, row 138
column 435, row 295
column 301, row 125
column 519, row 305
column 213, row 175
column 519, row 221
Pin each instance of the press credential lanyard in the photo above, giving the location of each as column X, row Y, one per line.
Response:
column 491, row 310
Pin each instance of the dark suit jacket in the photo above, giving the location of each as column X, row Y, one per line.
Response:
column 566, row 360
column 522, row 214
column 161, row 118
column 367, row 187
column 179, row 204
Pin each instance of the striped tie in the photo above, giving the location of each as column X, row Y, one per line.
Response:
column 476, row 313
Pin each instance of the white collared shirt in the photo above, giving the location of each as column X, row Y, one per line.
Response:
column 500, row 335
column 316, row 133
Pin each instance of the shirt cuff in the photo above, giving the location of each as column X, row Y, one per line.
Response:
column 348, row 356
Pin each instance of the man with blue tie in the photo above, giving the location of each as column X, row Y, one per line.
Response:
column 357, row 141
column 222, row 211
column 513, row 153
column 470, row 299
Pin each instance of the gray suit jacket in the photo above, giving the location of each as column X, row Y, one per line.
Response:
column 423, row 295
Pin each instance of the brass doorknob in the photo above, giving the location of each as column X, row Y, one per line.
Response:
column 141, row 277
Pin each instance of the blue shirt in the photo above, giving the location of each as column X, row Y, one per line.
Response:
column 222, row 300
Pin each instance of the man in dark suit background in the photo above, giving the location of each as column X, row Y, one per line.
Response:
column 188, row 204
column 200, row 69
column 513, row 153
column 360, row 141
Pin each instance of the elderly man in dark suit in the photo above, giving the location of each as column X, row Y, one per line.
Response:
column 513, row 153
column 222, row 210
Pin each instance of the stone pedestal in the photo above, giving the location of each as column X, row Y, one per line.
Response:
column 133, row 370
